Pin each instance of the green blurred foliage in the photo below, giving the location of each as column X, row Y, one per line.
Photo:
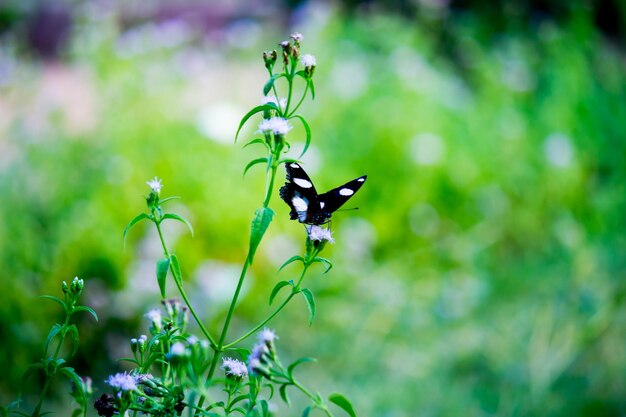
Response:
column 482, row 275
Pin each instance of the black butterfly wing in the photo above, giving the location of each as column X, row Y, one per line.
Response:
column 335, row 198
column 300, row 194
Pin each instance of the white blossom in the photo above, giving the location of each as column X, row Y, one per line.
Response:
column 267, row 335
column 154, row 316
column 278, row 125
column 297, row 37
column 178, row 349
column 234, row 367
column 123, row 381
column 155, row 185
column 308, row 60
column 320, row 234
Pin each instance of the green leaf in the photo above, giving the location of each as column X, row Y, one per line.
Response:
column 277, row 288
column 176, row 269
column 262, row 219
column 343, row 403
column 87, row 309
column 133, row 222
column 51, row 335
column 251, row 113
column 78, row 383
column 324, row 261
column 163, row 265
column 312, row 87
column 299, row 362
column 264, row 408
column 257, row 140
column 254, row 162
column 307, row 129
column 55, row 299
column 290, row 260
column 180, row 218
column 306, row 411
column 283, row 394
column 73, row 332
column 28, row 372
column 310, row 303
column 166, row 199
column 270, row 83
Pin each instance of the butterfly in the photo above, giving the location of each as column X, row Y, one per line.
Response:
column 309, row 207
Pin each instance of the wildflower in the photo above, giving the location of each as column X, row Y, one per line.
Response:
column 123, row 381
column 278, row 125
column 192, row 340
column 155, row 185
column 235, row 368
column 143, row 378
column 178, row 349
column 172, row 307
column 297, row 38
column 154, row 316
column 320, row 234
column 308, row 60
column 267, row 335
column 77, row 285
column 272, row 99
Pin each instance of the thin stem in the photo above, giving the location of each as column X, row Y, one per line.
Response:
column 315, row 398
column 306, row 89
column 179, row 285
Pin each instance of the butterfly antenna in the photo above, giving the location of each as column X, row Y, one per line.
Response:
column 350, row 209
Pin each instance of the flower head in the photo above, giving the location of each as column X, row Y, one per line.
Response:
column 297, row 37
column 308, row 60
column 154, row 316
column 122, row 381
column 155, row 185
column 320, row 234
column 267, row 335
column 272, row 99
column 178, row 349
column 234, row 367
column 278, row 125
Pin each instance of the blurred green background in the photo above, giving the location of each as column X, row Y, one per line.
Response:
column 484, row 272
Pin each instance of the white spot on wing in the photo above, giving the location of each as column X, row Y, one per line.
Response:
column 294, row 165
column 346, row 191
column 322, row 204
column 299, row 204
column 303, row 183
column 361, row 179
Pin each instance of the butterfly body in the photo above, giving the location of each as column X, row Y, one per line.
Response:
column 309, row 207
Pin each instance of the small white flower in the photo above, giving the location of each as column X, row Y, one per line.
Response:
column 272, row 99
column 267, row 335
column 154, row 316
column 143, row 377
column 122, row 381
column 320, row 234
column 178, row 349
column 192, row 340
column 155, row 185
column 308, row 60
column 234, row 367
column 297, row 37
column 278, row 125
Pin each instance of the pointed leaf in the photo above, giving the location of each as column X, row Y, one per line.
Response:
column 255, row 141
column 178, row 217
column 288, row 161
column 51, row 335
column 270, row 83
column 310, row 303
column 283, row 394
column 262, row 219
column 306, row 411
column 264, row 408
column 55, row 299
column 251, row 113
column 73, row 332
column 166, row 199
column 88, row 310
column 78, row 383
column 28, row 372
column 253, row 163
column 277, row 288
column 163, row 265
column 343, row 403
column 133, row 222
column 176, row 269
column 299, row 362
column 290, row 260
column 312, row 87
column 307, row 129
column 324, row 261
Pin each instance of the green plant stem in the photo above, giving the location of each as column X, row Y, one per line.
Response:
column 295, row 290
column 306, row 89
column 179, row 284
column 315, row 398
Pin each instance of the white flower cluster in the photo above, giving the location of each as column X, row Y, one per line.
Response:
column 320, row 234
column 123, row 381
column 234, row 367
column 278, row 125
column 281, row 103
column 155, row 185
column 308, row 60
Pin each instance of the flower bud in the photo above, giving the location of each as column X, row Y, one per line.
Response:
column 65, row 288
